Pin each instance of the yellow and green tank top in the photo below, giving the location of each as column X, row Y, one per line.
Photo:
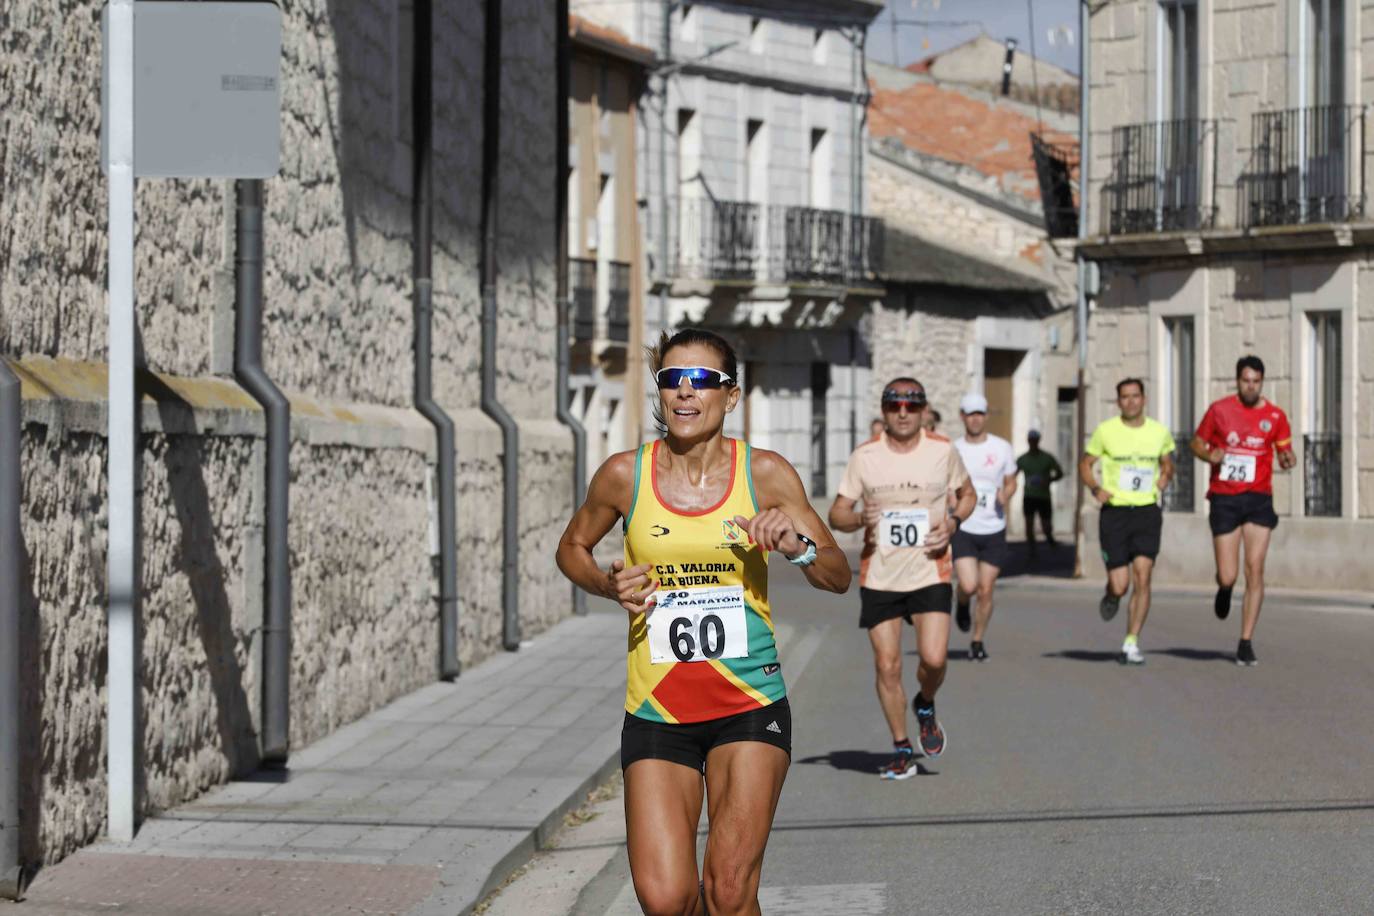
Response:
column 706, row 650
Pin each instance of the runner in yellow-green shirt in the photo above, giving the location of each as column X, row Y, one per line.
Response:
column 1136, row 454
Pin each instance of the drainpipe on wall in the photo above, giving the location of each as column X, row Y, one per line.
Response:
column 491, row 406
column 11, row 573
column 565, row 414
column 663, row 253
column 1084, row 135
column 276, row 623
column 423, row 227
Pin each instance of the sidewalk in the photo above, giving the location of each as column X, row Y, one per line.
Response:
column 420, row 807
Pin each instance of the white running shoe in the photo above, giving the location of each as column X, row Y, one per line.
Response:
column 1131, row 654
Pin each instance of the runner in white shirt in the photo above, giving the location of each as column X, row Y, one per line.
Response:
column 980, row 544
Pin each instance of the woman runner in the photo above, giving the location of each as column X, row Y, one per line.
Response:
column 705, row 711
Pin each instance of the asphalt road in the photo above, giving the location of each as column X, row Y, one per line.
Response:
column 1071, row 784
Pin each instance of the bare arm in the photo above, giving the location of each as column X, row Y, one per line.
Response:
column 608, row 499
column 1166, row 470
column 784, row 512
column 1205, row 452
column 846, row 516
column 966, row 498
column 1085, row 474
column 1287, row 459
column 1008, row 489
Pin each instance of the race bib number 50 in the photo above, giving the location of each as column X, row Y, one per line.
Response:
column 904, row 527
column 698, row 624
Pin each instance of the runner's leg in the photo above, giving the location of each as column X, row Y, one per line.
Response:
column 1256, row 539
column 932, row 641
column 886, row 638
column 966, row 578
column 743, row 782
column 662, row 811
column 1118, row 580
column 987, row 581
column 1028, row 510
column 1227, row 549
column 1141, row 568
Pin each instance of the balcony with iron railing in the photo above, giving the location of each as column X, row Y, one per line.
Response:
column 750, row 242
column 590, row 321
column 1163, row 177
column 1306, row 166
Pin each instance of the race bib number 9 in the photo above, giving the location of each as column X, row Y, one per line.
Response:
column 1238, row 468
column 1136, row 480
column 904, row 527
column 698, row 624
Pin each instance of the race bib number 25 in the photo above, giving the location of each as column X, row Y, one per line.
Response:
column 1238, row 468
column 698, row 624
column 904, row 527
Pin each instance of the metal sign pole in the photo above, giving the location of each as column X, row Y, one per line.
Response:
column 121, row 696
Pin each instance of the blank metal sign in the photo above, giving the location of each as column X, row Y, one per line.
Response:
column 207, row 90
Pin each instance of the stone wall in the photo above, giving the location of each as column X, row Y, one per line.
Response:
column 338, row 341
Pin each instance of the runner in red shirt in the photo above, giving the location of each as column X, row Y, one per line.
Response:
column 1238, row 437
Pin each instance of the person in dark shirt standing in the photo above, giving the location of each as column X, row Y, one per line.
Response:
column 1041, row 470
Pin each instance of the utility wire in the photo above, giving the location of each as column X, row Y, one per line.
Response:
column 1035, row 77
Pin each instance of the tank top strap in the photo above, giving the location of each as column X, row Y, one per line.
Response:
column 642, row 471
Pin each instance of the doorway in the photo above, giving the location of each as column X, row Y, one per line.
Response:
column 999, row 368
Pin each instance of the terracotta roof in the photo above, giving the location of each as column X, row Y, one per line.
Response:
column 961, row 127
column 608, row 40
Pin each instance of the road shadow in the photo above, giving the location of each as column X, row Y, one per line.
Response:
column 866, row 762
column 1083, row 655
column 1195, row 655
column 1055, row 562
column 954, row 655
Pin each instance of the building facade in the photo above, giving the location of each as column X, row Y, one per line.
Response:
column 340, row 330
column 605, row 243
column 978, row 295
column 1228, row 215
column 751, row 189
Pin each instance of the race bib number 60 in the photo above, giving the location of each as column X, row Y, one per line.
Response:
column 904, row 527
column 698, row 624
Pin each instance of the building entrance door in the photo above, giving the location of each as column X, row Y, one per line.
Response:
column 998, row 368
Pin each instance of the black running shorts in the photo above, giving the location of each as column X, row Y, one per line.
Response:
column 1229, row 512
column 875, row 607
column 689, row 744
column 1127, row 532
column 985, row 548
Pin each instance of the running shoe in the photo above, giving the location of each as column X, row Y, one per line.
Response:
column 1222, row 603
column 976, row 652
column 1245, row 655
column 901, row 766
column 1108, row 606
column 962, row 617
column 1131, row 654
column 932, row 734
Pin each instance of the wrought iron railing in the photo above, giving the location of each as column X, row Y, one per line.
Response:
column 731, row 240
column 1322, row 474
column 1307, row 166
column 1163, row 177
column 618, row 302
column 1179, row 495
column 582, row 282
column 1055, row 167
column 717, row 239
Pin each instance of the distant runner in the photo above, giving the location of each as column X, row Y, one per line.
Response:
column 980, row 544
column 904, row 480
column 1137, row 465
column 706, row 712
column 1238, row 436
column 1041, row 470
column 875, row 429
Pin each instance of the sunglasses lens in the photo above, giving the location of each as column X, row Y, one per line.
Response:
column 696, row 376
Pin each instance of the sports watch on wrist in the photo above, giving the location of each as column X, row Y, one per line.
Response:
column 807, row 556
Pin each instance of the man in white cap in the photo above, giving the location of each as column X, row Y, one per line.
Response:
column 980, row 544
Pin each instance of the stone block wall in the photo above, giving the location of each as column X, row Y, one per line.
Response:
column 339, row 342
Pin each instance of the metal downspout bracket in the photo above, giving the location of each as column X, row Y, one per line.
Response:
column 11, row 577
